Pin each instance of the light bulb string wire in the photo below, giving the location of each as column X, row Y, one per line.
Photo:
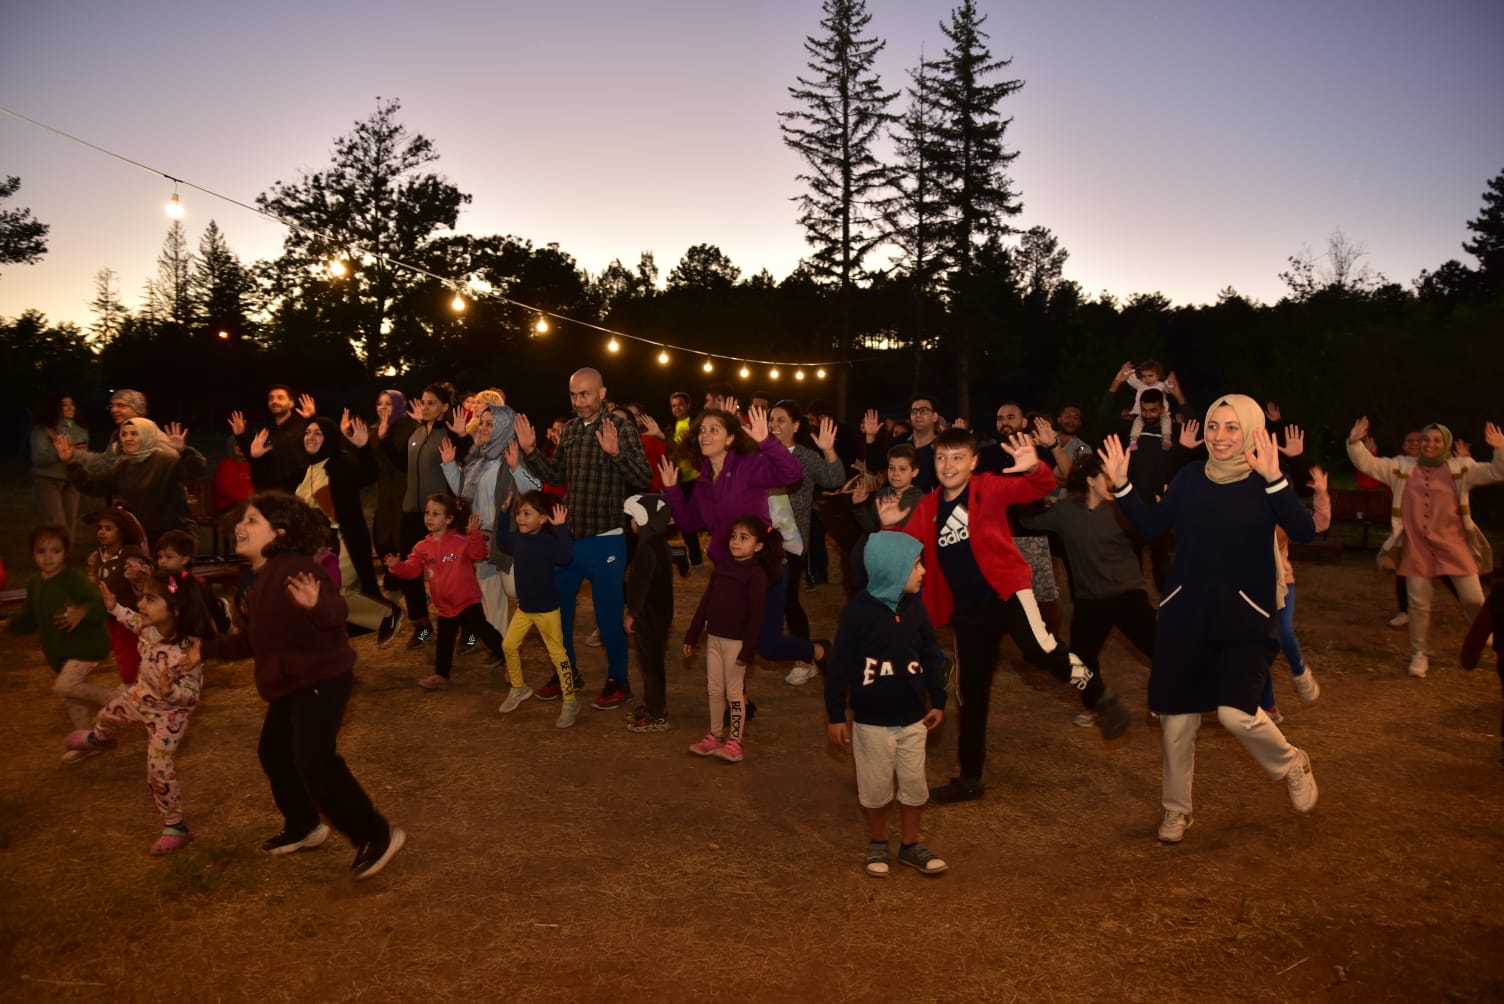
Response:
column 459, row 288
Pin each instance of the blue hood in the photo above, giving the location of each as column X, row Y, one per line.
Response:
column 889, row 557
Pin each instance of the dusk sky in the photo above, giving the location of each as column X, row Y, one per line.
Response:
column 1172, row 145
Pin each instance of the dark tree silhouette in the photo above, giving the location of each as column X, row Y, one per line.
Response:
column 704, row 268
column 1488, row 245
column 23, row 238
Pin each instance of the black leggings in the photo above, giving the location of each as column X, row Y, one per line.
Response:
column 793, row 610
column 1093, row 620
column 979, row 632
column 413, row 531
column 473, row 620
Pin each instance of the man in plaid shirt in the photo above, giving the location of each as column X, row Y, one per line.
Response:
column 600, row 462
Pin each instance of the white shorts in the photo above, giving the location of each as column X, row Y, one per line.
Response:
column 880, row 752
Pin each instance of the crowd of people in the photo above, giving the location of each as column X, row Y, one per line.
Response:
column 485, row 528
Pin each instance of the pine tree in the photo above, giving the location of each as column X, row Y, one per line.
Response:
column 843, row 113
column 971, row 161
column 917, row 215
column 219, row 284
column 1488, row 246
column 23, row 238
column 110, row 313
column 169, row 295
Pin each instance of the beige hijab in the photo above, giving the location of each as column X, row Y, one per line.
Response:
column 1225, row 472
column 1250, row 419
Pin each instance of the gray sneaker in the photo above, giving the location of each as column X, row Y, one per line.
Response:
column 567, row 714
column 921, row 859
column 515, row 697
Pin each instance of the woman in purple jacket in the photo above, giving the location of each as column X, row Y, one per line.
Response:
column 738, row 465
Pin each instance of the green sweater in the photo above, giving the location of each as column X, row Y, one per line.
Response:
column 45, row 599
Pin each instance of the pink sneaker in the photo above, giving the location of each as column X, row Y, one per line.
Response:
column 172, row 839
column 708, row 745
column 730, row 751
column 83, row 741
column 434, row 682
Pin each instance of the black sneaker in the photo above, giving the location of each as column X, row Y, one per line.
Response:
column 286, row 843
column 957, row 789
column 420, row 637
column 389, row 625
column 373, row 855
column 1113, row 717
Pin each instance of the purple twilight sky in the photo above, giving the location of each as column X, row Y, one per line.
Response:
column 1172, row 145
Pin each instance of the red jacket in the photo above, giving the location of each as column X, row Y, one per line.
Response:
column 449, row 566
column 992, row 545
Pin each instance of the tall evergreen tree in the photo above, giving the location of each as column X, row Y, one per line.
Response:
column 219, row 284
column 1488, row 246
column 374, row 203
column 971, row 161
column 170, row 294
column 704, row 268
column 110, row 314
column 917, row 214
column 843, row 113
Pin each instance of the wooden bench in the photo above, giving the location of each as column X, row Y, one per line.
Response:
column 200, row 498
column 1368, row 508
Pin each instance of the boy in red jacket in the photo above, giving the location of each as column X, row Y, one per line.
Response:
column 980, row 585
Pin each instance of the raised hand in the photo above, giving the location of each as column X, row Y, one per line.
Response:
column 1021, row 447
column 262, row 444
column 608, row 436
column 414, row 413
column 1188, row 437
column 108, row 596
column 1460, row 448
column 650, row 426
column 1124, row 372
column 472, row 525
column 458, row 419
column 668, row 472
column 1493, row 436
column 960, row 423
column 1360, row 430
column 177, row 435
column 860, row 493
column 1044, row 433
column 512, row 455
column 527, row 436
column 1271, row 411
column 1318, row 480
column 381, row 426
column 237, row 423
column 890, row 512
column 359, row 434
column 825, row 439
column 725, row 402
column 303, row 588
column 554, row 435
column 306, row 407
column 757, row 421
column 871, row 424
column 1115, row 459
column 560, row 515
column 446, row 451
column 1295, row 441
column 64, row 447
column 1264, row 457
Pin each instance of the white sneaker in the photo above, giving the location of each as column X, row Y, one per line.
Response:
column 1306, row 687
column 1302, row 783
column 1399, row 620
column 1085, row 719
column 802, row 673
column 594, row 640
column 1172, row 828
column 515, row 697
column 567, row 714
column 1419, row 665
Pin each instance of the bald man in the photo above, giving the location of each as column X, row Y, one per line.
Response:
column 600, row 462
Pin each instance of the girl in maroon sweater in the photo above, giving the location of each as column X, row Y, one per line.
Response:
column 294, row 628
column 731, row 613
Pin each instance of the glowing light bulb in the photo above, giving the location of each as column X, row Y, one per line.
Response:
column 820, row 373
column 773, row 373
column 798, row 374
column 613, row 345
column 542, row 326
column 338, row 268
column 175, row 208
column 457, row 304
column 663, row 357
column 224, row 336
column 708, row 367
column 744, row 373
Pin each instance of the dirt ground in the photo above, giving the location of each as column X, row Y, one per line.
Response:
column 549, row 865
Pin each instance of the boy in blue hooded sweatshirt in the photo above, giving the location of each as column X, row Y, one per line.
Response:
column 886, row 661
